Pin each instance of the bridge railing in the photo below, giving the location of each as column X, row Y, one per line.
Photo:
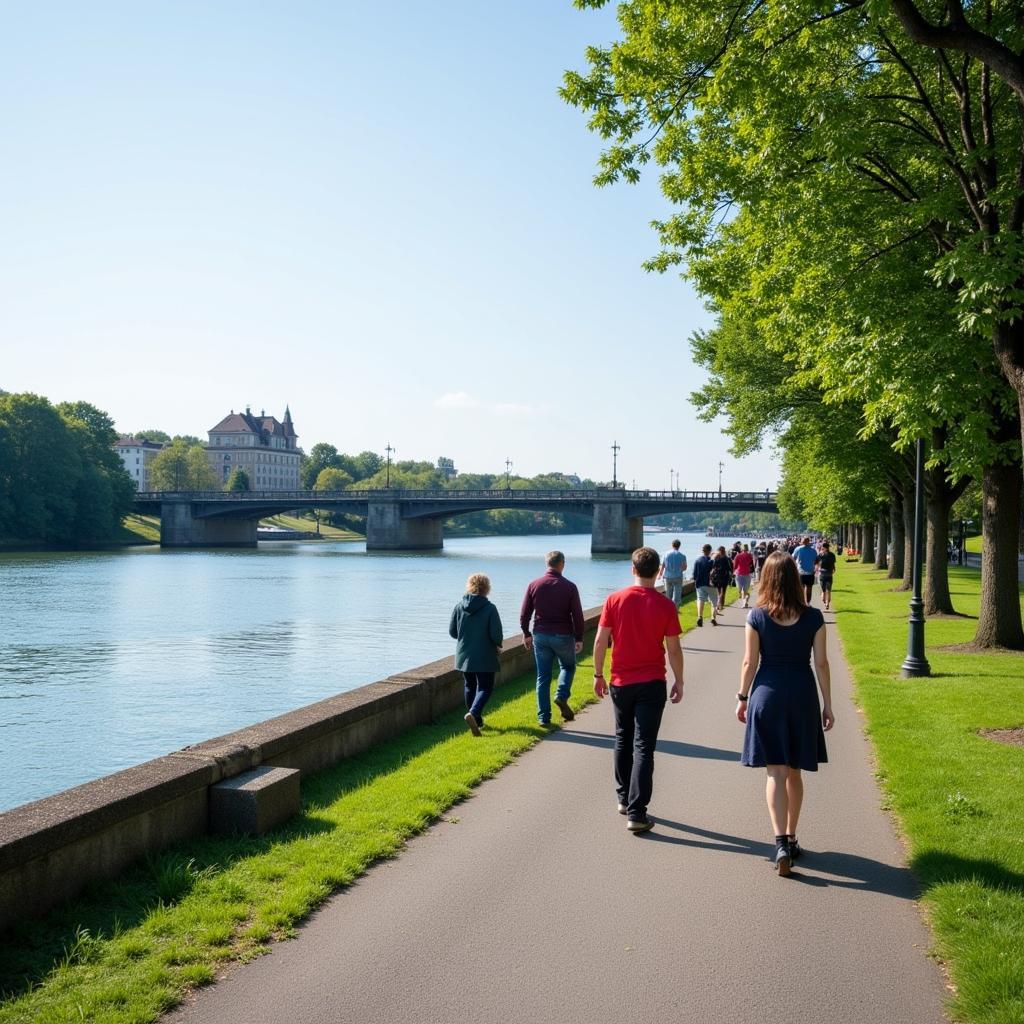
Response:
column 500, row 493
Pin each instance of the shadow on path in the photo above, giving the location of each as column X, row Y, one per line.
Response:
column 820, row 869
column 674, row 747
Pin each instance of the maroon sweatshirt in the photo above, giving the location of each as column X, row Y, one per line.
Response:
column 553, row 602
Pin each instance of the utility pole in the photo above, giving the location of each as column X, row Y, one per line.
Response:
column 721, row 466
column 616, row 448
column 389, row 450
column 508, row 467
column 671, row 479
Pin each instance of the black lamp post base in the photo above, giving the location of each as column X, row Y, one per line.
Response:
column 914, row 668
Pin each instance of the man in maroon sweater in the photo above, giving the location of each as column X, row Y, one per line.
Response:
column 553, row 603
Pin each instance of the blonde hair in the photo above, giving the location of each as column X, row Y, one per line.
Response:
column 478, row 583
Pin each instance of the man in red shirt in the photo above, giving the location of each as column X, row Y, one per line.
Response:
column 640, row 624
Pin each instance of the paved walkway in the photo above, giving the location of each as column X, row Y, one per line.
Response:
column 538, row 906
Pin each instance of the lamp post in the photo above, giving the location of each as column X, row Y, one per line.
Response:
column 387, row 475
column 508, row 467
column 916, row 664
column 721, row 466
column 671, row 479
column 616, row 447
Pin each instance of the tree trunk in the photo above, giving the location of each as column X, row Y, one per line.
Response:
column 999, row 621
column 896, row 529
column 867, row 552
column 908, row 539
column 937, row 600
column 881, row 543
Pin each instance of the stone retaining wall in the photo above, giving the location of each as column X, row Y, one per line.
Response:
column 52, row 848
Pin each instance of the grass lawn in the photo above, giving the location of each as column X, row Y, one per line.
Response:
column 301, row 523
column 958, row 795
column 139, row 530
column 128, row 950
column 973, row 544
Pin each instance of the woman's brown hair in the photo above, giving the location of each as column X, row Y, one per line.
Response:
column 778, row 591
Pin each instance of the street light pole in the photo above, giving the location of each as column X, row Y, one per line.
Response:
column 616, row 447
column 671, row 479
column 721, row 466
column 508, row 467
column 387, row 475
column 916, row 664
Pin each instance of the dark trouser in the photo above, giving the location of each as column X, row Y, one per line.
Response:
column 479, row 687
column 638, row 709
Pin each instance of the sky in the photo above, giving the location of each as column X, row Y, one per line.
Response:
column 381, row 215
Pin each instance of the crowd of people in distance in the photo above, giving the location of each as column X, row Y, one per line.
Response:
column 777, row 701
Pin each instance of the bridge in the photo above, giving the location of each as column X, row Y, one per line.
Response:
column 412, row 520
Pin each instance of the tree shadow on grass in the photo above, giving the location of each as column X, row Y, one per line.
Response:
column 32, row 950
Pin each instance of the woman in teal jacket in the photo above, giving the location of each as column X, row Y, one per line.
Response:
column 476, row 627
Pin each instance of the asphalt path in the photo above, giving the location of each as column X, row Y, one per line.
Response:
column 532, row 903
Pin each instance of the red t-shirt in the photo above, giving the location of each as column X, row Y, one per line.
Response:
column 743, row 563
column 640, row 618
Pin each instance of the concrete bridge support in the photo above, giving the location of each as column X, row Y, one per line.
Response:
column 386, row 530
column 179, row 528
column 614, row 532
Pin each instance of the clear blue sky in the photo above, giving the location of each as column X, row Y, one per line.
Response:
column 381, row 214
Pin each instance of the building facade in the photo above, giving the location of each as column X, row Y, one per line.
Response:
column 265, row 447
column 136, row 455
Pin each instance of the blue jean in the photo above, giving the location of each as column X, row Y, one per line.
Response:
column 478, row 690
column 546, row 648
column 674, row 589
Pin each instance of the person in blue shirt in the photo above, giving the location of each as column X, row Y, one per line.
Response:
column 706, row 594
column 673, row 566
column 806, row 557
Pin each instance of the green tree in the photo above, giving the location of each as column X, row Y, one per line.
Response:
column 332, row 480
column 180, row 467
column 156, row 436
column 875, row 189
column 321, row 456
column 238, row 480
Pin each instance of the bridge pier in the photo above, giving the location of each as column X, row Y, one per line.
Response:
column 179, row 528
column 614, row 532
column 386, row 530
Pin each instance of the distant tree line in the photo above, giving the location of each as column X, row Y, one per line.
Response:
column 61, row 481
column 327, row 469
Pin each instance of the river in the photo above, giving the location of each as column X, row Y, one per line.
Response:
column 110, row 658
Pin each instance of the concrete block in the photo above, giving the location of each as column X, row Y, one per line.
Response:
column 255, row 801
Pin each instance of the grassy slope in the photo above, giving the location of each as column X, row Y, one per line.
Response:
column 130, row 949
column 300, row 523
column 958, row 796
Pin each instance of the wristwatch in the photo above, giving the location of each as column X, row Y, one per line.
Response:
column 742, row 696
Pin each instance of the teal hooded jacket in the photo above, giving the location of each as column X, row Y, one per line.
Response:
column 476, row 627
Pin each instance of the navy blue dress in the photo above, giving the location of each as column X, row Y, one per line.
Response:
column 783, row 713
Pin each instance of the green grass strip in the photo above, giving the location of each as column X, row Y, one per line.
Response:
column 957, row 795
column 130, row 949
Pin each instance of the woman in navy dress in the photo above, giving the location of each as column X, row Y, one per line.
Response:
column 778, row 700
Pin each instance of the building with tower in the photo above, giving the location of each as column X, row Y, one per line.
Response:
column 265, row 447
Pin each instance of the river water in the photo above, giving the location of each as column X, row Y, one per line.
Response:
column 110, row 658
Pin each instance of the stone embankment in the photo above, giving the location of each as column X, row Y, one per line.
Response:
column 53, row 848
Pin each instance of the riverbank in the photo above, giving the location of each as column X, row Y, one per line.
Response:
column 133, row 947
column 953, row 786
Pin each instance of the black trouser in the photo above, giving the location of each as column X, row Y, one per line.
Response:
column 638, row 709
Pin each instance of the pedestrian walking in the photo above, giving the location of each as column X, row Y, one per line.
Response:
column 553, row 603
column 640, row 624
column 743, row 564
column 673, row 568
column 706, row 594
column 826, row 571
column 476, row 627
column 778, row 701
column 721, row 574
column 806, row 558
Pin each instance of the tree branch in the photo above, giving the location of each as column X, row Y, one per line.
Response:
column 959, row 35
